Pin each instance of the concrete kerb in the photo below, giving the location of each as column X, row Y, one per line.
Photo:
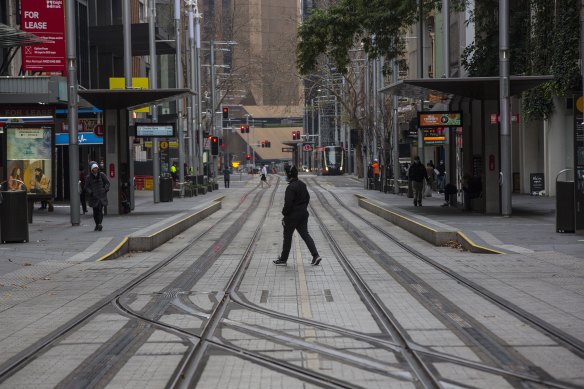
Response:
column 437, row 237
column 150, row 242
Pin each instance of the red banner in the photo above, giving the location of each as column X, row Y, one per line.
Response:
column 45, row 19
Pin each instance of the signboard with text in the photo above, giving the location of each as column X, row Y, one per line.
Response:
column 439, row 119
column 45, row 19
column 434, row 136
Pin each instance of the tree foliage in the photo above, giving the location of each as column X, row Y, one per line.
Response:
column 543, row 37
column 376, row 26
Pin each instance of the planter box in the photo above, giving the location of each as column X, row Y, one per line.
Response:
column 210, row 188
column 216, row 186
column 202, row 190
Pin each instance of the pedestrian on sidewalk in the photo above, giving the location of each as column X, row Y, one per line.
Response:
column 82, row 181
column 295, row 213
column 450, row 191
column 431, row 179
column 264, row 176
column 417, row 176
column 440, row 176
column 226, row 176
column 97, row 185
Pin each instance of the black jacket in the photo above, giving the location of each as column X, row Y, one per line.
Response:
column 296, row 198
column 418, row 172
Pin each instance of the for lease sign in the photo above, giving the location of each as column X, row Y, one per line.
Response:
column 45, row 19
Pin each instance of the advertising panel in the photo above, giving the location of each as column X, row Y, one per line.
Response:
column 434, row 136
column 28, row 152
column 45, row 19
column 439, row 119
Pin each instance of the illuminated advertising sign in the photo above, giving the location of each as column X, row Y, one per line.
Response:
column 434, row 136
column 45, row 19
column 439, row 119
column 28, row 152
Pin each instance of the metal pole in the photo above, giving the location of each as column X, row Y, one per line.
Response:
column 446, row 32
column 72, row 114
column 179, row 84
column 211, row 157
column 154, row 85
column 193, row 86
column 247, row 131
column 189, row 37
column 504, row 107
column 394, row 129
column 421, row 73
column 127, row 17
column 199, row 105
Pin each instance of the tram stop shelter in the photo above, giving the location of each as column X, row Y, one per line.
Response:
column 116, row 105
column 478, row 100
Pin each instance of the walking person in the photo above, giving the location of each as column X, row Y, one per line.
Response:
column 440, row 175
column 376, row 173
column 226, row 176
column 97, row 185
column 295, row 213
column 417, row 176
column 82, row 181
column 264, row 176
column 431, row 179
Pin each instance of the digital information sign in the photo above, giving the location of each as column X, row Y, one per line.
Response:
column 155, row 130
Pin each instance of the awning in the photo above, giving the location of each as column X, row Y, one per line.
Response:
column 130, row 98
column 110, row 39
column 479, row 88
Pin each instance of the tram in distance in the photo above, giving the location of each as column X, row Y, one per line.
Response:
column 328, row 160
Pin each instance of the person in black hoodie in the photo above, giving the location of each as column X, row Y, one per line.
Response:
column 417, row 175
column 96, row 186
column 295, row 214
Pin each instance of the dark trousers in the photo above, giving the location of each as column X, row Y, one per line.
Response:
column 98, row 214
column 298, row 222
column 226, row 183
column 83, row 202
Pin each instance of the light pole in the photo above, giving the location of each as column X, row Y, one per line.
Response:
column 154, row 85
column 179, row 84
column 72, row 114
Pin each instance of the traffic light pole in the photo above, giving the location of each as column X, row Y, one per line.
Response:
column 179, row 84
column 153, row 109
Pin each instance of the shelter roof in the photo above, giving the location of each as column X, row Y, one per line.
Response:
column 479, row 88
column 129, row 98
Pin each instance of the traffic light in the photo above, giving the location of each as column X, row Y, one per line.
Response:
column 244, row 129
column 268, row 143
column 248, row 156
column 263, row 143
column 214, row 145
column 221, row 144
column 295, row 135
column 225, row 113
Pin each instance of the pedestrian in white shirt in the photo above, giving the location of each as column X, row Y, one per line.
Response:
column 264, row 176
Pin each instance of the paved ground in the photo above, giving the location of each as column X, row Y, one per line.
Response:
column 50, row 280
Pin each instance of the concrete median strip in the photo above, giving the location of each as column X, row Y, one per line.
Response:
column 138, row 242
column 438, row 236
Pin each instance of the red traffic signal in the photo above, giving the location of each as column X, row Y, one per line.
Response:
column 225, row 113
column 244, row 129
column 247, row 156
column 296, row 135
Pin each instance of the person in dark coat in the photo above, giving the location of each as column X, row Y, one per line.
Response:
column 417, row 175
column 226, row 176
column 295, row 213
column 96, row 186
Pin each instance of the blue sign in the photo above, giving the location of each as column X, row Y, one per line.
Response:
column 83, row 138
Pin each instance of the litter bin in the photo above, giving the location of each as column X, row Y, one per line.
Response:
column 13, row 215
column 565, row 207
column 165, row 189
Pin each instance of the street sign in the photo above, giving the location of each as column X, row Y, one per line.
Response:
column 307, row 147
column 287, row 149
